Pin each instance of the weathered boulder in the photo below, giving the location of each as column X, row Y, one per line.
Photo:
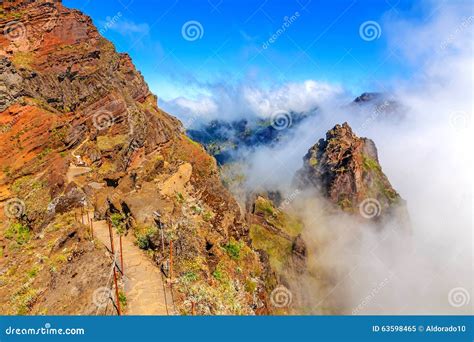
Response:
column 73, row 197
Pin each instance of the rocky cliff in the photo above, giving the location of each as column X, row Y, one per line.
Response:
column 80, row 127
column 345, row 169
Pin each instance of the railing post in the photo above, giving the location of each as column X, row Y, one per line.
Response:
column 162, row 241
column 121, row 254
column 116, row 289
column 111, row 238
column 92, row 229
column 171, row 261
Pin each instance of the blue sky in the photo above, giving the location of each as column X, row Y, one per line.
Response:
column 322, row 43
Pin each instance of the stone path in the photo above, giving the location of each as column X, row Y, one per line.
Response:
column 75, row 171
column 144, row 288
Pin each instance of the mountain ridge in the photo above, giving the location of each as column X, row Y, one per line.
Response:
column 80, row 128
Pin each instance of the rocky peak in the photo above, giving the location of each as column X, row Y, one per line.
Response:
column 346, row 170
column 367, row 97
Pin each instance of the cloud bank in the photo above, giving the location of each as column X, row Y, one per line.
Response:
column 426, row 153
column 234, row 102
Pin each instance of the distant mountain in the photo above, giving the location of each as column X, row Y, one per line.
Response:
column 224, row 139
column 379, row 105
column 368, row 97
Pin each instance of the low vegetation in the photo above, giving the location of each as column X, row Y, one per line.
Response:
column 277, row 247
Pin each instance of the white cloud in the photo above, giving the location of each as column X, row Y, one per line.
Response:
column 126, row 27
column 227, row 102
column 204, row 107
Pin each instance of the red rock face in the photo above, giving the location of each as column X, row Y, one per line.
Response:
column 57, row 70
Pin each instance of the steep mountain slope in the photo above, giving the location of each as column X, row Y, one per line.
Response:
column 79, row 127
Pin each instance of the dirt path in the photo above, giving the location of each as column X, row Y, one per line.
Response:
column 144, row 287
column 75, row 171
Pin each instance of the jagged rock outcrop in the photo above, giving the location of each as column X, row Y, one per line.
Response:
column 73, row 110
column 345, row 169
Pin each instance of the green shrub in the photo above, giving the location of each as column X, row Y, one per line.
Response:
column 144, row 237
column 107, row 143
column 207, row 216
column 143, row 241
column 250, row 286
column 180, row 197
column 24, row 299
column 277, row 247
column 196, row 209
column 189, row 277
column 265, row 206
column 218, row 275
column 44, row 153
column 370, row 164
column 18, row 232
column 233, row 249
column 122, row 299
column 33, row 272
column 118, row 222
